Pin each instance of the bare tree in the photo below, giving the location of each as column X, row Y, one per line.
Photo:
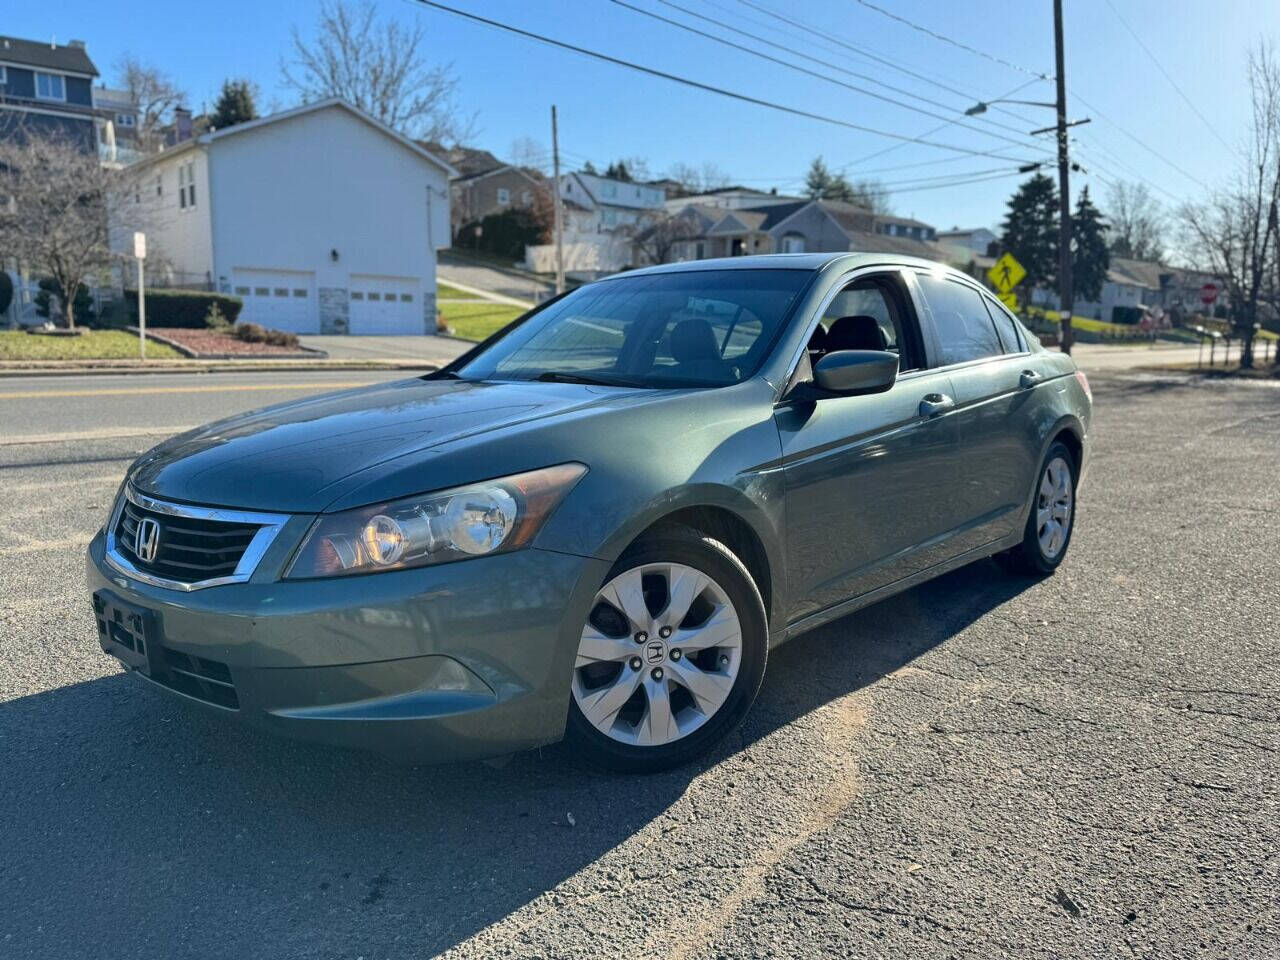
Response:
column 701, row 179
column 156, row 96
column 55, row 218
column 379, row 66
column 1137, row 220
column 529, row 153
column 1235, row 232
column 658, row 234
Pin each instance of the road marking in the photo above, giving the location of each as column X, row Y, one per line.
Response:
column 147, row 391
column 108, row 434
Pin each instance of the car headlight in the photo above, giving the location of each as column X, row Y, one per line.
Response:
column 472, row 521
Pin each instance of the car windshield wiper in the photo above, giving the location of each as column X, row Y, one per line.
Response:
column 556, row 376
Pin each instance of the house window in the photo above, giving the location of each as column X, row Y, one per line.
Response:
column 374, row 295
column 610, row 189
column 242, row 291
column 299, row 292
column 261, row 292
column 4, row 77
column 187, row 185
column 124, row 120
column 793, row 243
column 282, row 291
column 50, row 86
column 526, row 198
column 504, row 196
column 406, row 298
column 357, row 294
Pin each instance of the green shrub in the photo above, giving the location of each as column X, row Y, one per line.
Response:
column 506, row 233
column 50, row 288
column 183, row 308
column 253, row 333
column 215, row 320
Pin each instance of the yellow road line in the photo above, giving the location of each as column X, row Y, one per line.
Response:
column 143, row 391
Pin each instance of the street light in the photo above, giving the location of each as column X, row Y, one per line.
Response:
column 981, row 105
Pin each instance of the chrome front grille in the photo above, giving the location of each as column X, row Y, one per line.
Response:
column 187, row 547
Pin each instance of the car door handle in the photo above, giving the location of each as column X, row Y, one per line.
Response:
column 1029, row 378
column 935, row 403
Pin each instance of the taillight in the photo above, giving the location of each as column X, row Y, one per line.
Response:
column 1084, row 384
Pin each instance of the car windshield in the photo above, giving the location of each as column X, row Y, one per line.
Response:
column 687, row 328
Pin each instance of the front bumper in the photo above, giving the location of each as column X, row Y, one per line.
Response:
column 458, row 661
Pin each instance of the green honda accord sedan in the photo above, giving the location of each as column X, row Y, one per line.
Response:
column 598, row 522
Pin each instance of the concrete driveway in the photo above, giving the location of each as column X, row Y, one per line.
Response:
column 435, row 351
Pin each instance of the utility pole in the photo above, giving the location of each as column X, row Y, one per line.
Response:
column 1065, row 295
column 555, row 197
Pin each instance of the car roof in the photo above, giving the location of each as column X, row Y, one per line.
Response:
column 787, row 261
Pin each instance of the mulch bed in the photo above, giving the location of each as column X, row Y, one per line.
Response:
column 209, row 343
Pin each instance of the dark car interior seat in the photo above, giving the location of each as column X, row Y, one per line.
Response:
column 694, row 349
column 854, row 333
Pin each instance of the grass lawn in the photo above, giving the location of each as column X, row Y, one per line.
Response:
column 475, row 321
column 445, row 290
column 94, row 345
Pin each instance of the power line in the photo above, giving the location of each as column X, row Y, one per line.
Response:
column 821, row 37
column 1159, row 66
column 706, row 87
column 1155, row 153
column 812, row 59
column 928, row 133
column 951, row 40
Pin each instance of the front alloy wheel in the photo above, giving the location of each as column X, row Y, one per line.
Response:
column 671, row 654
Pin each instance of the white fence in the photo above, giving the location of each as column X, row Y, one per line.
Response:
column 22, row 311
column 603, row 255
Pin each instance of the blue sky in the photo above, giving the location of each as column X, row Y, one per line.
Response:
column 608, row 112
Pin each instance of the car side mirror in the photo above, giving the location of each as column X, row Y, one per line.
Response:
column 856, row 371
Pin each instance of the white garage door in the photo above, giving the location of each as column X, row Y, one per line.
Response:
column 385, row 305
column 278, row 299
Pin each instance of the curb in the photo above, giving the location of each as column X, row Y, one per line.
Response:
column 302, row 353
column 79, row 368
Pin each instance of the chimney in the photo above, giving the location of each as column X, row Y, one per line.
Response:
column 78, row 44
column 181, row 124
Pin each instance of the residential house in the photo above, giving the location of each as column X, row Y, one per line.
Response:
column 797, row 226
column 979, row 239
column 118, row 124
column 321, row 218
column 729, row 198
column 614, row 204
column 892, row 226
column 47, row 88
column 1146, row 283
column 504, row 187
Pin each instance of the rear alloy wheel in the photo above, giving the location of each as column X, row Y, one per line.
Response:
column 671, row 655
column 1052, row 516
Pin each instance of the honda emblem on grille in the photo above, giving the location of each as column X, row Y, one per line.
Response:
column 146, row 542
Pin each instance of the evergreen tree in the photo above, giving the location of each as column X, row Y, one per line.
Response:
column 235, row 104
column 1030, row 230
column 1090, row 258
column 618, row 171
column 590, row 168
column 817, row 182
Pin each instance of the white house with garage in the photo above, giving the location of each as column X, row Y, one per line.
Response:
column 321, row 219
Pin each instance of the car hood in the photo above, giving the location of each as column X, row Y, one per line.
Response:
column 300, row 457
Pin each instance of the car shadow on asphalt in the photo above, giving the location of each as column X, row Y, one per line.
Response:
column 165, row 833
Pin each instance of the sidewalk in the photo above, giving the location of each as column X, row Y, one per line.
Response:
column 430, row 350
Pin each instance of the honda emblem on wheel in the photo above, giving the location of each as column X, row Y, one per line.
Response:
column 655, row 651
column 146, row 543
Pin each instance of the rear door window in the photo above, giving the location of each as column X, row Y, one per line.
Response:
column 1006, row 327
column 961, row 322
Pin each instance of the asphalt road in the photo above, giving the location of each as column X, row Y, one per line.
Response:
column 1085, row 766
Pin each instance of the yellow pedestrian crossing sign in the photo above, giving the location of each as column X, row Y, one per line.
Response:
column 1010, row 300
column 1006, row 274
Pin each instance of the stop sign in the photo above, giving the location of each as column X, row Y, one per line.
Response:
column 1209, row 293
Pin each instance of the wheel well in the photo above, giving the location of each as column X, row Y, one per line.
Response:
column 1067, row 437
column 736, row 534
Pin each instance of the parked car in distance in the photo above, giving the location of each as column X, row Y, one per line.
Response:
column 599, row 521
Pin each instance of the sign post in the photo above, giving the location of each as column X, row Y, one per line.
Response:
column 140, row 254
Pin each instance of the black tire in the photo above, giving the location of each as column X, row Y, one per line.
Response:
column 1028, row 557
column 680, row 544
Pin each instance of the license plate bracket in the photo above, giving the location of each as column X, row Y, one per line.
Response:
column 129, row 633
